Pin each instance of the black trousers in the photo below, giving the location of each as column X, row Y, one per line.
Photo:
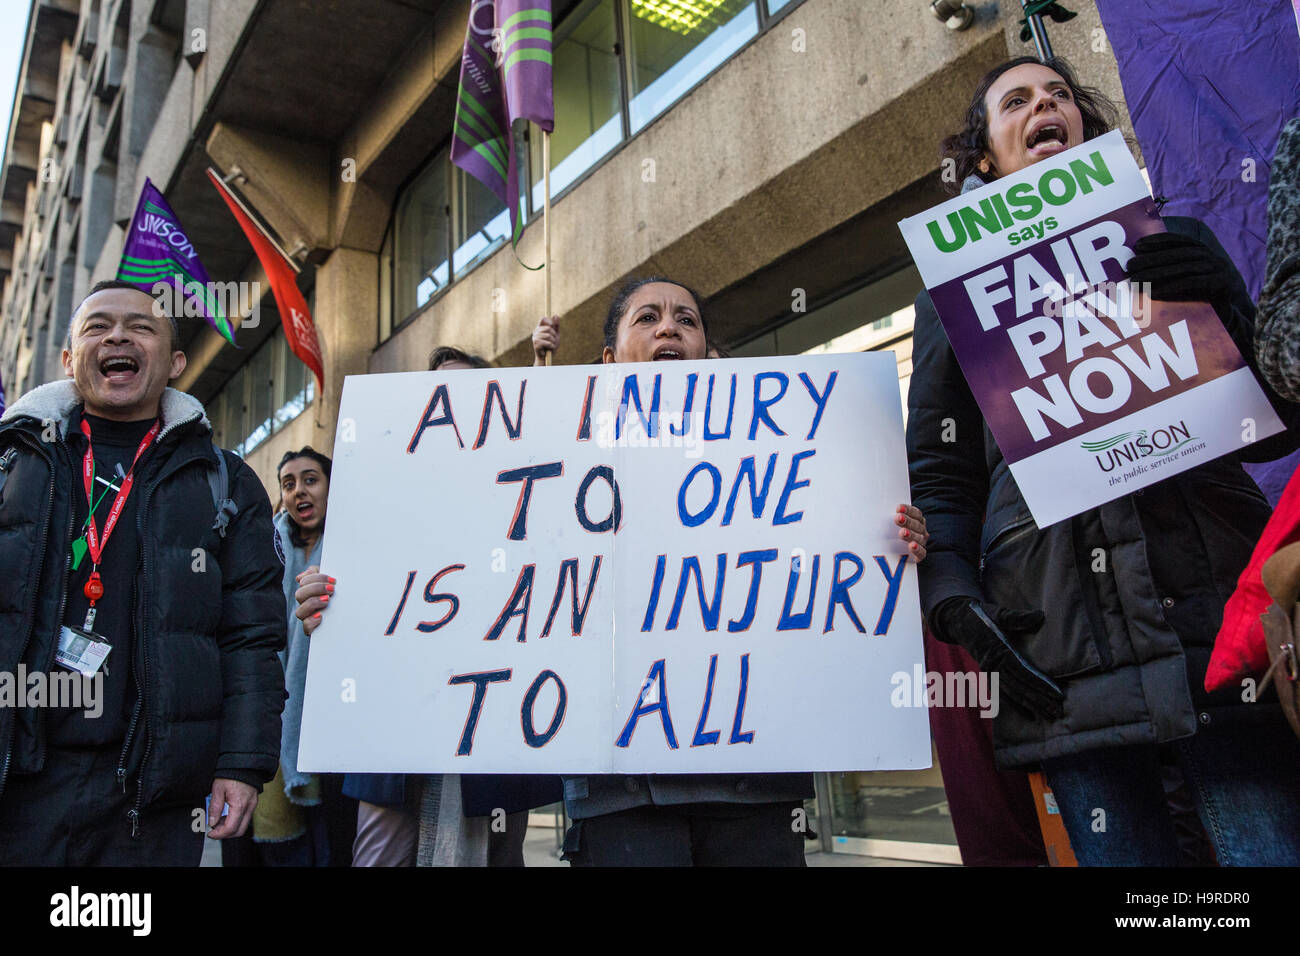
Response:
column 693, row 834
column 74, row 813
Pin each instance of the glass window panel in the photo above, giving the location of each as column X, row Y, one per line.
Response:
column 673, row 44
column 236, row 417
column 872, row 316
column 588, row 116
column 482, row 222
column 775, row 5
column 291, row 383
column 386, row 288
column 259, row 396
column 230, row 406
column 216, row 412
column 280, row 385
column 420, row 241
column 909, row 806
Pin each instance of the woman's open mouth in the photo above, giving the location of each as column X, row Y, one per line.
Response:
column 1048, row 138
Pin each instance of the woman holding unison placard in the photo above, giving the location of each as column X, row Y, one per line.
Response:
column 1101, row 626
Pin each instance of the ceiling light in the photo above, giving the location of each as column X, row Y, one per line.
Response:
column 679, row 16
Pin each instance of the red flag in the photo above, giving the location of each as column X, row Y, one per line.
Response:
column 299, row 329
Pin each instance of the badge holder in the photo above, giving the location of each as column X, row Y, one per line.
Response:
column 80, row 648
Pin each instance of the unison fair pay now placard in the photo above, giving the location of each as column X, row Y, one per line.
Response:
column 1091, row 390
column 661, row 567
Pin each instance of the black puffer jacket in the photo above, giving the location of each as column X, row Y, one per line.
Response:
column 205, row 643
column 1133, row 591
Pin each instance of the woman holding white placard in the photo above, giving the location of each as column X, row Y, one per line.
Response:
column 683, row 819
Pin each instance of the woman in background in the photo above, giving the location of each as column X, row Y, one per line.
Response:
column 432, row 819
column 301, row 819
column 715, row 819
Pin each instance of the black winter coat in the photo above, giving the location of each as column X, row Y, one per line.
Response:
column 210, row 687
column 1133, row 590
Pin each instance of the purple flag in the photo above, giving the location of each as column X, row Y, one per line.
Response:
column 1209, row 84
column 157, row 251
column 505, row 77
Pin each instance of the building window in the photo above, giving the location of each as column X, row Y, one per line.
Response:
column 588, row 99
column 443, row 208
column 838, row 325
column 421, row 241
column 446, row 222
column 271, row 390
column 673, row 44
column 480, row 222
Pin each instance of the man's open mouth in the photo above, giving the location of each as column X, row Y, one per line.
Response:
column 119, row 368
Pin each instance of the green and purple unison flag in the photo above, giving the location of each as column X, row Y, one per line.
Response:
column 157, row 250
column 505, row 78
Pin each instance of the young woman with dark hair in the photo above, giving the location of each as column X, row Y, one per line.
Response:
column 302, row 819
column 1101, row 626
column 448, row 357
column 970, row 148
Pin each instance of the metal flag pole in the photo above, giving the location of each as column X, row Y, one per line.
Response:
column 546, row 224
column 237, row 173
column 1038, row 31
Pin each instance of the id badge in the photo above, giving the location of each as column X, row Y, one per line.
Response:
column 81, row 650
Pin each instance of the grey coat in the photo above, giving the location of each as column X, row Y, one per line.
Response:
column 1277, row 331
column 294, row 659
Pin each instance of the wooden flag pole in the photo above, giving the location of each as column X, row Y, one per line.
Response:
column 546, row 223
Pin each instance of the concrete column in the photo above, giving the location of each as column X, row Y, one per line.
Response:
column 347, row 321
column 347, row 324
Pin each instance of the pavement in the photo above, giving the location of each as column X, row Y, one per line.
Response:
column 541, row 848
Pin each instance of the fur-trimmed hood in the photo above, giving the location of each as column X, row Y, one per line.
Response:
column 58, row 400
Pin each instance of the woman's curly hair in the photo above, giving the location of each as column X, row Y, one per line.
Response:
column 968, row 147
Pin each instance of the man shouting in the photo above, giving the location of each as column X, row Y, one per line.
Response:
column 138, row 556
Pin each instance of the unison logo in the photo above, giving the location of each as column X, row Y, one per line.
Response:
column 166, row 230
column 1022, row 203
column 1129, row 447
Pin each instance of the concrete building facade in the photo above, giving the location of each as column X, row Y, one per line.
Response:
column 759, row 150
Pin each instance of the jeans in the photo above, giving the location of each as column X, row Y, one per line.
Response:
column 1244, row 780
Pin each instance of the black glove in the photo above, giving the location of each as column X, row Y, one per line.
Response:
column 1181, row 269
column 964, row 621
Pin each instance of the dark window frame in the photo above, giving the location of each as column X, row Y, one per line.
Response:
column 570, row 21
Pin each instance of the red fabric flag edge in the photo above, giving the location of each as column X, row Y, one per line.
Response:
column 299, row 329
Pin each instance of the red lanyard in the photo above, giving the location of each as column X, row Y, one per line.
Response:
column 94, row 588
